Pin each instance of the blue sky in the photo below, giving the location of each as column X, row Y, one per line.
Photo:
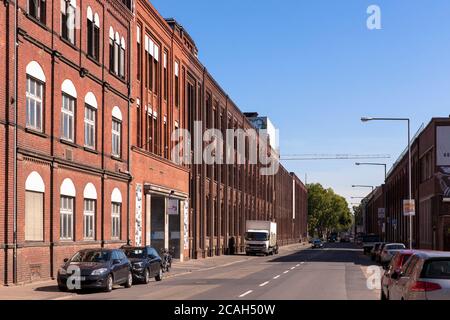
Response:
column 314, row 68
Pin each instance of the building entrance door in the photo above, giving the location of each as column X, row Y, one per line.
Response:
column 174, row 227
column 158, row 222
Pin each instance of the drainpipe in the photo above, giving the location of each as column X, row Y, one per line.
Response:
column 129, row 132
column 15, row 146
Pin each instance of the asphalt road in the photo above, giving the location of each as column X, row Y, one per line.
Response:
column 336, row 272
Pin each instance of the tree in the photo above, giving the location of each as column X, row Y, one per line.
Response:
column 327, row 211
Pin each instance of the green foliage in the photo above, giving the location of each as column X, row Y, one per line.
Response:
column 327, row 211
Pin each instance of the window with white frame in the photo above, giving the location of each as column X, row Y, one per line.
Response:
column 122, row 58
column 68, row 118
column 68, row 21
column 89, row 219
column 116, row 137
column 89, row 126
column 66, row 218
column 93, row 34
column 37, row 9
column 34, row 97
column 34, row 207
column 115, row 220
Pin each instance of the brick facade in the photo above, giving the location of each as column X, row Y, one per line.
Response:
column 156, row 94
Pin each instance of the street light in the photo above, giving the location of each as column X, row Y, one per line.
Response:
column 362, row 186
column 366, row 119
column 374, row 164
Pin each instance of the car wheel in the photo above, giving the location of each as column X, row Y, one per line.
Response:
column 129, row 282
column 146, row 276
column 109, row 283
column 159, row 277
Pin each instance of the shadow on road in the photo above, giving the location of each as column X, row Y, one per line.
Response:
column 47, row 289
column 332, row 252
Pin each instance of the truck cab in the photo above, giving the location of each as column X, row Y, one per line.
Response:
column 261, row 238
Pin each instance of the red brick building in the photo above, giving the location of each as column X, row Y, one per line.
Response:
column 86, row 119
column 430, row 153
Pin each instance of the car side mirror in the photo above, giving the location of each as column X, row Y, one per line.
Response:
column 66, row 260
column 116, row 261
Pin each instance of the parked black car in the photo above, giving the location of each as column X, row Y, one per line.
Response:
column 95, row 269
column 146, row 263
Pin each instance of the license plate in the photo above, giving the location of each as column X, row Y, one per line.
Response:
column 79, row 278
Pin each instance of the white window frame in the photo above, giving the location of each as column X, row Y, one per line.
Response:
column 116, row 209
column 38, row 102
column 90, row 124
column 70, row 114
column 116, row 134
column 89, row 219
column 66, row 211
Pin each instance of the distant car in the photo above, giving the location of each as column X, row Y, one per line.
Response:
column 389, row 250
column 369, row 241
column 95, row 269
column 426, row 276
column 393, row 270
column 146, row 263
column 317, row 243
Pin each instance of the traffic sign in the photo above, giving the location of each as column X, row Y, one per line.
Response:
column 409, row 208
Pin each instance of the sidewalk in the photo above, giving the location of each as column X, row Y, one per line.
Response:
column 48, row 290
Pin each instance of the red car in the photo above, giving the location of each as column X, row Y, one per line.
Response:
column 394, row 267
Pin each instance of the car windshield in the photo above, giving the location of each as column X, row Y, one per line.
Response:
column 256, row 236
column 135, row 253
column 437, row 269
column 395, row 247
column 91, row 256
column 317, row 241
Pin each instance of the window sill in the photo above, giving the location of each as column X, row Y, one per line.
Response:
column 35, row 132
column 69, row 143
column 88, row 149
column 93, row 60
column 70, row 44
column 37, row 21
column 116, row 158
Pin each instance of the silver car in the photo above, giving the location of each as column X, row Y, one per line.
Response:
column 389, row 250
column 426, row 276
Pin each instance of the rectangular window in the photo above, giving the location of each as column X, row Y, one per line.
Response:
column 155, row 69
column 111, row 55
column 68, row 21
column 177, row 85
column 166, row 139
column 66, row 218
column 34, row 216
column 115, row 220
column 156, row 145
column 37, row 9
column 93, row 39
column 165, row 76
column 89, row 219
column 35, row 90
column 139, row 54
column 89, row 127
column 122, row 63
column 116, row 135
column 139, row 123
column 67, row 118
column 116, row 57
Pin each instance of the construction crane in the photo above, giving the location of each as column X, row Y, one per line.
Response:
column 343, row 156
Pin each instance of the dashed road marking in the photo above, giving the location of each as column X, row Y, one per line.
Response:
column 298, row 265
column 292, row 268
column 286, row 271
column 263, row 284
column 245, row 293
column 276, row 277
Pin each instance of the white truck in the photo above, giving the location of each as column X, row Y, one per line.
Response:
column 261, row 237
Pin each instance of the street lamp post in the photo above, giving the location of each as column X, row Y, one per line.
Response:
column 374, row 164
column 365, row 119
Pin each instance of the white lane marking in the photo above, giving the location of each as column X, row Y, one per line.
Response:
column 298, row 265
column 286, row 271
column 276, row 277
column 246, row 293
column 302, row 262
column 292, row 268
column 263, row 284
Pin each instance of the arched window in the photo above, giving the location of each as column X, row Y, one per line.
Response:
column 116, row 132
column 34, row 207
column 69, row 95
column 116, row 208
column 68, row 20
column 93, row 34
column 67, row 193
column 35, row 96
column 90, row 200
column 116, row 53
column 90, row 115
column 122, row 58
